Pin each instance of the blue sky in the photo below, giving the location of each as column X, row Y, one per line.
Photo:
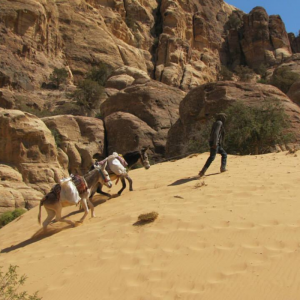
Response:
column 289, row 10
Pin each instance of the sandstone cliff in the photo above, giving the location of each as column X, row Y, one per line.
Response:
column 158, row 50
column 205, row 101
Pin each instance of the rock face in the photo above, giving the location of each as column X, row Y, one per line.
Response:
column 205, row 101
column 294, row 92
column 191, row 38
column 141, row 115
column 31, row 161
column 180, row 43
column 127, row 132
column 158, row 50
column 29, row 166
column 28, row 146
column 80, row 139
column 174, row 41
column 264, row 39
column 292, row 64
column 295, row 42
column 14, row 192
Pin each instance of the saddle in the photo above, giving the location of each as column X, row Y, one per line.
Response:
column 56, row 191
column 80, row 183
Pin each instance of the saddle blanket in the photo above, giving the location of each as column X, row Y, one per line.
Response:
column 56, row 191
column 80, row 183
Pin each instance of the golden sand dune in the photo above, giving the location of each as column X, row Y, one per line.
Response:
column 234, row 236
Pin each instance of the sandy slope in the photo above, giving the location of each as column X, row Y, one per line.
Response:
column 236, row 237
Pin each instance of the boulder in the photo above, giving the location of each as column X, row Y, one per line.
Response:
column 6, row 99
column 295, row 42
column 265, row 40
column 119, row 82
column 154, row 103
column 294, row 93
column 14, row 192
column 28, row 146
column 79, row 139
column 203, row 102
column 126, row 132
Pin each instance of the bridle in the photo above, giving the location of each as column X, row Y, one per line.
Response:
column 104, row 177
column 144, row 159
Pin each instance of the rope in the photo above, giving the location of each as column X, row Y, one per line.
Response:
column 173, row 157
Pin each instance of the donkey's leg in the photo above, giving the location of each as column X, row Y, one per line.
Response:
column 86, row 209
column 50, row 216
column 58, row 209
column 123, row 186
column 99, row 190
column 130, row 182
column 94, row 190
column 91, row 205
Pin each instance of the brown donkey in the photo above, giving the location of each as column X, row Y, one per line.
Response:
column 66, row 192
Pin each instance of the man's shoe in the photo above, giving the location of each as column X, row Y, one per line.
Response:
column 201, row 173
column 223, row 169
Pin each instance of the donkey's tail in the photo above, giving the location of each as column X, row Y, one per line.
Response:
column 40, row 210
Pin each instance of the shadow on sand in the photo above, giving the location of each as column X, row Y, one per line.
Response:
column 184, row 180
column 55, row 227
column 212, row 174
column 141, row 223
column 40, row 234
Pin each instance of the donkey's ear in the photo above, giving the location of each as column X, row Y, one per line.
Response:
column 145, row 148
column 103, row 167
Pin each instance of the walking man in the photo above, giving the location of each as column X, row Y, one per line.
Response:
column 216, row 143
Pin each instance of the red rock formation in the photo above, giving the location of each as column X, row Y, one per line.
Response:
column 205, row 101
column 295, row 42
column 153, row 103
column 265, row 40
column 28, row 145
column 81, row 138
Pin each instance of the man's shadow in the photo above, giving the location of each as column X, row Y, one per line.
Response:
column 185, row 180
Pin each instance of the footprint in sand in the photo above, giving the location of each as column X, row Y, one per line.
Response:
column 245, row 225
column 252, row 245
column 236, row 269
column 231, row 271
column 226, row 246
column 271, row 223
column 222, row 225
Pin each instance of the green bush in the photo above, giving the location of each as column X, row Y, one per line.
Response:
column 244, row 72
column 99, row 74
column 59, row 76
column 262, row 70
column 283, row 78
column 225, row 73
column 57, row 137
column 263, row 81
column 88, row 93
column 9, row 216
column 199, row 143
column 130, row 22
column 33, row 111
column 235, row 21
column 256, row 129
column 99, row 116
column 10, row 283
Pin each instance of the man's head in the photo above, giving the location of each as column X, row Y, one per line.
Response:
column 221, row 117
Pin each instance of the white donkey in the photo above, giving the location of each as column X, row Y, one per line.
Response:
column 66, row 193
